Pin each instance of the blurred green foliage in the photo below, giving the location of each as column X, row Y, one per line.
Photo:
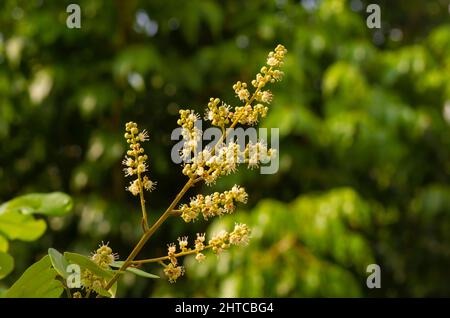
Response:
column 18, row 223
column 364, row 119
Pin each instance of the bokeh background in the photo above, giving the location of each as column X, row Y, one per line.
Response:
column 364, row 119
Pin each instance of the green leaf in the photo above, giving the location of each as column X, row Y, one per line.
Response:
column 117, row 264
column 88, row 264
column 15, row 225
column 38, row 281
column 141, row 273
column 4, row 245
column 59, row 262
column 113, row 290
column 6, row 264
column 135, row 270
column 51, row 204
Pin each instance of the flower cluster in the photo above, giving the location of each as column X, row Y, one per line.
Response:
column 199, row 247
column 183, row 243
column 173, row 272
column 275, row 59
column 218, row 115
column 208, row 164
column 241, row 91
column 191, row 134
column 218, row 243
column 201, row 164
column 214, row 204
column 248, row 115
column 222, row 240
column 135, row 161
column 103, row 257
column 240, row 235
column 256, row 153
column 209, row 167
column 225, row 160
column 264, row 97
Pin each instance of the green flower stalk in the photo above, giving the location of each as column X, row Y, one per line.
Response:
column 136, row 166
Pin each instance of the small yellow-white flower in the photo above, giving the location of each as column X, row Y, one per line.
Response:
column 173, row 272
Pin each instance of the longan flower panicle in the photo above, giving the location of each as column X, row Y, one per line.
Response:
column 103, row 257
column 135, row 161
column 172, row 270
column 249, row 114
column 171, row 250
column 222, row 240
column 190, row 132
column 275, row 58
column 90, row 281
column 207, row 165
column 210, row 165
column 218, row 243
column 226, row 159
column 215, row 204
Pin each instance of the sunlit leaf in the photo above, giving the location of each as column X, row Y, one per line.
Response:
column 4, row 245
column 38, row 281
column 59, row 262
column 6, row 264
column 135, row 270
column 15, row 225
column 113, row 290
column 51, row 204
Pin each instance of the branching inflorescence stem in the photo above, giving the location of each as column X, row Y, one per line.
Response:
column 170, row 210
column 219, row 116
column 164, row 258
column 146, row 236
